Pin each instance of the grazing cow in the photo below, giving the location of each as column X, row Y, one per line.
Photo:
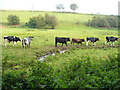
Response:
column 9, row 39
column 62, row 40
column 77, row 40
column 110, row 39
column 26, row 41
column 92, row 39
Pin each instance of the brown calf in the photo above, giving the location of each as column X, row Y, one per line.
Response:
column 77, row 40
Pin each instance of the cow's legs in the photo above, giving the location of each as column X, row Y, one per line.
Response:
column 81, row 43
column 62, row 44
column 5, row 41
column 112, row 43
column 29, row 45
column 66, row 43
column 87, row 43
column 94, row 43
column 23, row 45
column 55, row 44
column 14, row 43
column 106, row 42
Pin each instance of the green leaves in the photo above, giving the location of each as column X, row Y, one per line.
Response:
column 104, row 22
column 13, row 20
column 48, row 21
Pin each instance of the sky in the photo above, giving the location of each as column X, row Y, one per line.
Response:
column 107, row 7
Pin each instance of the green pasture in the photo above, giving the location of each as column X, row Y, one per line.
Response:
column 44, row 38
column 70, row 25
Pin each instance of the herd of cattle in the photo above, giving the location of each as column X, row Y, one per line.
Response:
column 88, row 39
column 14, row 39
column 26, row 41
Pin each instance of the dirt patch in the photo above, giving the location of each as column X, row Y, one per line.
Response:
column 1, row 26
column 59, row 48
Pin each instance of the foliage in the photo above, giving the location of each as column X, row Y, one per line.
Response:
column 48, row 21
column 104, row 22
column 73, row 7
column 84, row 73
column 39, row 76
column 13, row 20
column 60, row 7
column 32, row 22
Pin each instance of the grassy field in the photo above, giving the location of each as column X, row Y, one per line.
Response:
column 16, row 59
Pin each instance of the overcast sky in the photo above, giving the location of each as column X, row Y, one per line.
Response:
column 109, row 7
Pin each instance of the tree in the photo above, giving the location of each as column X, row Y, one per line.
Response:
column 13, row 20
column 32, row 22
column 50, row 21
column 40, row 22
column 60, row 7
column 47, row 21
column 104, row 22
column 112, row 20
column 73, row 7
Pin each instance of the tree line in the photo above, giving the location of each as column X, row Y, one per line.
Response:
column 104, row 22
column 50, row 21
column 39, row 22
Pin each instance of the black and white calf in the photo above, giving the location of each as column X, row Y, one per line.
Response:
column 26, row 41
column 92, row 39
column 9, row 39
column 110, row 39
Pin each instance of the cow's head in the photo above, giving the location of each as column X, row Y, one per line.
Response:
column 31, row 37
column 116, row 39
column 83, row 40
column 97, row 39
column 68, row 39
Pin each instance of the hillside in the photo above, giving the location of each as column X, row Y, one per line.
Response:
column 80, row 66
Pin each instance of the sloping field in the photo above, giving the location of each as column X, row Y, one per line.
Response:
column 79, row 67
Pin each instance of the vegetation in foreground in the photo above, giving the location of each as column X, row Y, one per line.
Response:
column 92, row 68
column 85, row 67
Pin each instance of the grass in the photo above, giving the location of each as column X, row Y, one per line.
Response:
column 17, row 58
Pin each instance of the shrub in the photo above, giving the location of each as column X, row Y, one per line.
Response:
column 113, row 21
column 104, row 22
column 48, row 21
column 32, row 22
column 36, row 77
column 40, row 22
column 13, row 20
column 84, row 73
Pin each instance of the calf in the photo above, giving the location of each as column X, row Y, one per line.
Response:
column 26, row 41
column 9, row 39
column 111, row 39
column 92, row 39
column 62, row 40
column 77, row 40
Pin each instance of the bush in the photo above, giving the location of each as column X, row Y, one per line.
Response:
column 13, row 20
column 86, row 74
column 38, row 76
column 48, row 21
column 104, row 22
